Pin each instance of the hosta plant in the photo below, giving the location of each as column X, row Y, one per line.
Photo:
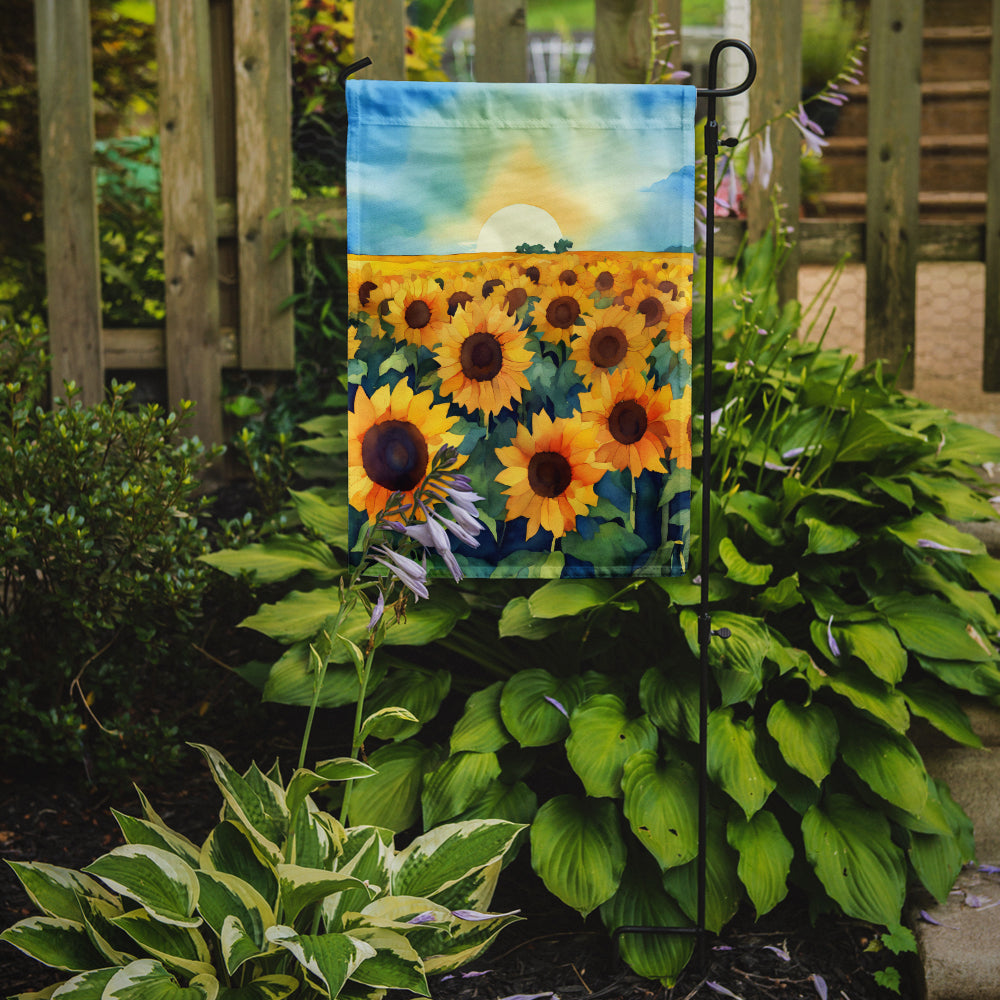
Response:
column 279, row 900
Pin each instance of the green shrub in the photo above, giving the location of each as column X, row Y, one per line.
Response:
column 99, row 541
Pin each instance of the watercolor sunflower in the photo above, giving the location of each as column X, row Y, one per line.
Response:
column 638, row 424
column 550, row 472
column 655, row 306
column 518, row 288
column 557, row 311
column 460, row 290
column 568, row 269
column 611, row 338
column 417, row 312
column 610, row 277
column 483, row 356
column 391, row 439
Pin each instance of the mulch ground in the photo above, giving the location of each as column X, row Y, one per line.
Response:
column 551, row 952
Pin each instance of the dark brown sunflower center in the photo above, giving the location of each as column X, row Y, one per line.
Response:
column 568, row 277
column 652, row 311
column 365, row 290
column 533, row 273
column 605, row 281
column 394, row 454
column 417, row 315
column 456, row 300
column 489, row 287
column 514, row 299
column 549, row 474
column 481, row 357
column 668, row 288
column 608, row 347
column 627, row 421
column 562, row 312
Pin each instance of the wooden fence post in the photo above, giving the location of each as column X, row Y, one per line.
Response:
column 776, row 35
column 991, row 332
column 501, row 41
column 380, row 34
column 893, row 183
column 190, row 252
column 72, row 255
column 262, row 61
column 623, row 37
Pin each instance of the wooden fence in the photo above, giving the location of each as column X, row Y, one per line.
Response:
column 226, row 162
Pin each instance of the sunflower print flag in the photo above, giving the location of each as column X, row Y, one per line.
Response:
column 519, row 262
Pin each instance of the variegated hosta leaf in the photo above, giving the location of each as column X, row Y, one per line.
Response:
column 732, row 760
column 116, row 947
column 54, row 941
column 86, row 986
column 661, row 799
column 642, row 902
column 304, row 782
column 56, row 891
column 158, row 880
column 888, row 763
column 177, row 947
column 273, row 987
column 395, row 964
column 578, row 851
column 723, row 889
column 225, row 897
column 602, row 737
column 441, row 857
column 765, row 858
column 256, row 801
column 315, row 838
column 535, row 706
column 456, row 784
column 391, row 799
column 367, row 854
column 807, row 736
column 147, row 979
column 467, row 940
column 481, row 727
column 850, row 847
column 475, row 891
column 230, row 849
column 328, row 959
column 141, row 831
column 301, row 887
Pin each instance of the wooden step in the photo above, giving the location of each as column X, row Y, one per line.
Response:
column 947, row 106
column 940, row 13
column 956, row 53
column 956, row 206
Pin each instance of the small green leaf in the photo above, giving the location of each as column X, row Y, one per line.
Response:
column 807, row 736
column 481, row 727
column 765, row 858
column 561, row 598
column 828, row 539
column 738, row 569
column 279, row 558
column 888, row 763
column 732, row 760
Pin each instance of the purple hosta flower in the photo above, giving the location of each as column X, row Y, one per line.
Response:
column 377, row 611
column 475, row 915
column 530, row 996
column 834, row 648
column 812, row 134
column 558, row 705
column 780, row 952
column 719, row 988
column 760, row 165
column 927, row 918
column 927, row 543
column 431, row 534
column 465, row 975
column 408, row 571
column 727, row 198
column 820, row 984
column 990, row 869
column 427, row 917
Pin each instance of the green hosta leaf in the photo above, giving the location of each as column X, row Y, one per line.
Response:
column 641, row 901
column 142, row 831
column 225, row 897
column 671, row 699
column 230, row 849
column 391, row 798
column 260, row 809
column 291, row 680
column 301, row 887
column 738, row 569
column 304, row 782
column 395, row 964
column 888, row 763
column 932, row 628
column 54, row 941
column 928, row 528
column 976, row 678
column 850, row 847
column 986, row 572
column 870, row 435
column 941, row 709
column 828, row 539
column 330, row 959
column 516, row 803
column 56, row 891
column 732, row 760
column 417, row 690
column 876, row 646
column 601, row 739
column 937, row 860
column 975, row 605
column 957, row 501
column 723, row 889
column 864, row 691
column 517, row 620
column 327, row 520
column 279, row 558
column 180, row 948
column 441, row 857
column 783, row 595
column 578, row 851
column 386, row 723
column 528, row 710
column 159, row 881
column 560, row 598
column 807, row 736
column 661, row 798
column 147, row 979
column 481, row 728
column 738, row 661
column 456, row 784
column 965, row 443
column 765, row 858
column 758, row 511
column 274, row 987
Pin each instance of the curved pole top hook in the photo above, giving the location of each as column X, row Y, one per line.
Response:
column 713, row 69
column 353, row 68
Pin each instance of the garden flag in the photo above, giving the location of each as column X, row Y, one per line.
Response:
column 519, row 260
